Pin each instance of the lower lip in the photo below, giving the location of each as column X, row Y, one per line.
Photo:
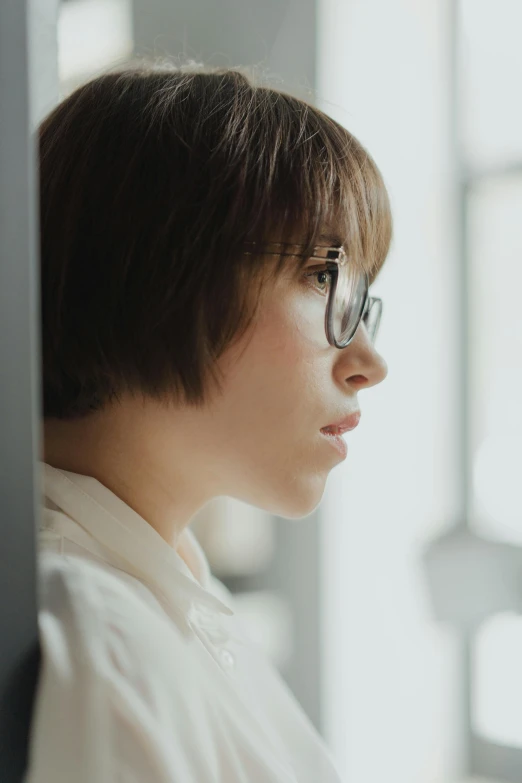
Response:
column 337, row 442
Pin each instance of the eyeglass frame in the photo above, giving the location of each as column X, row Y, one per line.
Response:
column 331, row 256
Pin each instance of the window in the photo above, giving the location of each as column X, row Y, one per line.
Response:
column 432, row 475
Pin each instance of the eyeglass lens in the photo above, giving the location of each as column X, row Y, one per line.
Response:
column 349, row 299
column 372, row 318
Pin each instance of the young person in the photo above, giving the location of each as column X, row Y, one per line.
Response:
column 206, row 251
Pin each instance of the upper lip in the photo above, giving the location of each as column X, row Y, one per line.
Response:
column 344, row 425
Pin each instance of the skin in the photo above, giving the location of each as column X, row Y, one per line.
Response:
column 258, row 441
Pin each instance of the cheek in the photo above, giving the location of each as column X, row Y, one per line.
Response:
column 294, row 357
column 271, row 410
column 277, row 386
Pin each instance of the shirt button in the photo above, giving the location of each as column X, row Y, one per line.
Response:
column 227, row 659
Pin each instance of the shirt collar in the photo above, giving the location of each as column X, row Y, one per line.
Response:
column 130, row 540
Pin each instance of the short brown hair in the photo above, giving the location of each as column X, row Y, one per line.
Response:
column 151, row 181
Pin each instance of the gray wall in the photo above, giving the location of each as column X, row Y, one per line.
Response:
column 277, row 34
column 28, row 84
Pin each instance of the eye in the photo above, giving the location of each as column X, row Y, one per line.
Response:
column 320, row 278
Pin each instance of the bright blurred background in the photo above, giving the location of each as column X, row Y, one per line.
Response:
column 393, row 611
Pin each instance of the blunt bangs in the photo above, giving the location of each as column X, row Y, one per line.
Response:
column 323, row 177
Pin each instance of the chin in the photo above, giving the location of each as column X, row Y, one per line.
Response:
column 300, row 512
column 290, row 495
column 301, row 503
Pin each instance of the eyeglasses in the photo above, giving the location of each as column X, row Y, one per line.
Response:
column 348, row 300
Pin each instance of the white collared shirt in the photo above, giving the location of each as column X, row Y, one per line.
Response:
column 147, row 674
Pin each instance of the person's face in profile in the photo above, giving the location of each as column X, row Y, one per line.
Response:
column 283, row 383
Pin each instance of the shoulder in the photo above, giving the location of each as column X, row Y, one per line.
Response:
column 119, row 683
column 95, row 625
column 98, row 636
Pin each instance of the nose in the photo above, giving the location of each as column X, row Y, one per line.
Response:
column 360, row 364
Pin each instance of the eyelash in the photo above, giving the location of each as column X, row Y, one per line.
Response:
column 321, row 271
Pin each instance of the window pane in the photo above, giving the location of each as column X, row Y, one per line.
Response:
column 491, row 62
column 495, row 233
column 497, row 680
column 92, row 35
